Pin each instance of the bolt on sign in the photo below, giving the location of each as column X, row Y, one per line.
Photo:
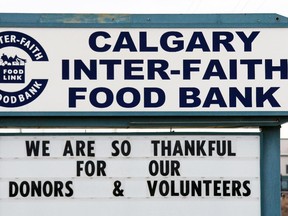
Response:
column 96, row 71
column 125, row 175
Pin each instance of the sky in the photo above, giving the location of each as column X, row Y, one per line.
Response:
column 148, row 7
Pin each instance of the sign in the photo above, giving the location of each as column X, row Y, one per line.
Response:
column 187, row 71
column 135, row 174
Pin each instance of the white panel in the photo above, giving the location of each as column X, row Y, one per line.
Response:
column 216, row 75
column 159, row 176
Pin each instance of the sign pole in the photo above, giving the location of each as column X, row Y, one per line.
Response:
column 270, row 172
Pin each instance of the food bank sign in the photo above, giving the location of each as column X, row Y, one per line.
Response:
column 190, row 71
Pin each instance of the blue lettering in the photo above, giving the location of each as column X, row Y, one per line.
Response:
column 248, row 40
column 201, row 45
column 171, row 41
column 189, row 97
column 223, row 38
column 110, row 63
column 65, row 69
column 251, row 63
column 148, row 97
column 24, row 42
column 179, row 45
column 92, row 41
column 160, row 69
column 135, row 97
column 283, row 69
column 210, row 70
column 143, row 43
column 102, row 90
column 124, row 41
column 214, row 96
column 73, row 96
column 129, row 68
column 23, row 96
column 187, row 68
column 245, row 99
column 233, row 69
column 267, row 96
column 91, row 72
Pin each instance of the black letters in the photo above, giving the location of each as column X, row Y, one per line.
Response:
column 33, row 148
column 81, row 148
column 40, row 189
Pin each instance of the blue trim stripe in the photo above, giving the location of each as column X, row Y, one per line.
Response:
column 143, row 20
column 133, row 113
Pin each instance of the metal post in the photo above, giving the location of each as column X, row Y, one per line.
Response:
column 270, row 172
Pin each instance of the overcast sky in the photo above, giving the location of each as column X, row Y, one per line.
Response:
column 147, row 6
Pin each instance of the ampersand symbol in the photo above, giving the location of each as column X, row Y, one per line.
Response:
column 117, row 190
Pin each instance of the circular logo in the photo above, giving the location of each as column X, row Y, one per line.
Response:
column 13, row 69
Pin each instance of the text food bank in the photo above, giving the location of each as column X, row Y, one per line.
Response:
column 189, row 71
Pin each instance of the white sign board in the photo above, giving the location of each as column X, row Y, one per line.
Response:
column 125, row 175
column 103, row 70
